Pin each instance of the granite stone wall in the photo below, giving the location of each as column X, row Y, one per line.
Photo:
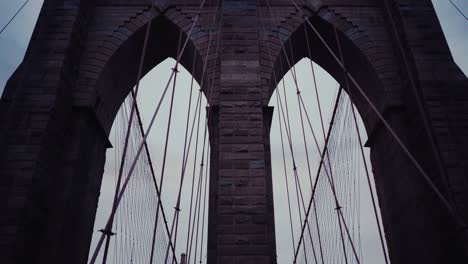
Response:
column 58, row 107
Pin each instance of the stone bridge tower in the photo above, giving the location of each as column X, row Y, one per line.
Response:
column 58, row 107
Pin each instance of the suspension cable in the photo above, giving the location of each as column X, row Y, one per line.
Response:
column 329, row 176
column 196, row 148
column 14, row 16
column 153, row 175
column 366, row 167
column 319, row 106
column 289, row 141
column 204, row 202
column 392, row 132
column 285, row 176
column 177, row 209
column 133, row 164
column 209, row 115
column 108, row 230
column 361, row 148
column 421, row 107
column 174, row 85
column 322, row 158
column 458, row 9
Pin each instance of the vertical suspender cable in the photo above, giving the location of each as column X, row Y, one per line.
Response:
column 281, row 131
column 361, row 148
column 289, row 138
column 108, row 230
column 459, row 221
column 208, row 118
column 176, row 217
column 207, row 164
column 166, row 144
column 133, row 164
column 322, row 158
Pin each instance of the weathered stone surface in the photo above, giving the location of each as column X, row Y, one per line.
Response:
column 58, row 108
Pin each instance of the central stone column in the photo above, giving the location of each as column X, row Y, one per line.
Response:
column 241, row 216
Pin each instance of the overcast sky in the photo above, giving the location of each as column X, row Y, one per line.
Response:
column 13, row 43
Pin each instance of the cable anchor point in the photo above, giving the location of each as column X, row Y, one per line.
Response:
column 108, row 233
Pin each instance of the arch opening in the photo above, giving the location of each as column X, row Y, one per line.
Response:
column 115, row 80
column 120, row 72
column 141, row 188
column 355, row 60
column 346, row 168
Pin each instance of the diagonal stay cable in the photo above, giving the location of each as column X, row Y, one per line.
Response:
column 153, row 175
column 107, row 231
column 175, row 222
column 458, row 9
column 322, row 158
column 319, row 106
column 209, row 101
column 445, row 202
column 204, row 202
column 288, row 136
column 133, row 164
column 361, row 146
column 14, row 16
column 299, row 194
column 330, row 174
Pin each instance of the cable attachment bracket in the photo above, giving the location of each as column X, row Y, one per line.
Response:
column 107, row 232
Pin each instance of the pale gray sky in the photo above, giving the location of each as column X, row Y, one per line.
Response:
column 13, row 43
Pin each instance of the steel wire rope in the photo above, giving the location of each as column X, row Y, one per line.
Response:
column 280, row 58
column 108, row 229
column 212, row 80
column 328, row 173
column 341, row 219
column 194, row 165
column 192, row 224
column 330, row 176
column 305, row 141
column 458, row 9
column 298, row 92
column 281, row 133
column 175, row 70
column 198, row 106
column 319, row 168
column 199, row 193
column 458, row 220
column 418, row 93
column 338, row 205
column 288, row 132
column 204, row 202
column 348, row 88
column 299, row 194
column 317, row 145
column 285, row 177
column 14, row 16
column 286, row 127
column 185, row 156
column 132, row 167
column 295, row 81
column 317, row 97
column 196, row 117
column 176, row 218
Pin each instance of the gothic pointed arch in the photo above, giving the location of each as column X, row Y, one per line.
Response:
column 112, row 56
